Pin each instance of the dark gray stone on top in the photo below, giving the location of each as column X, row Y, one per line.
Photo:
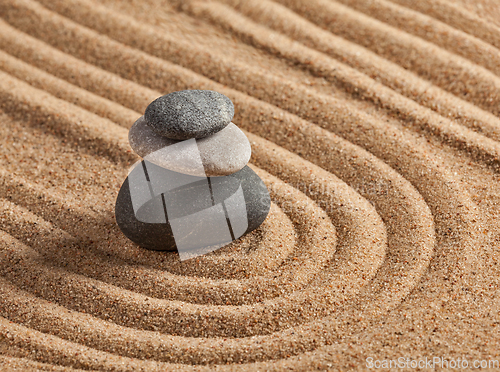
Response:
column 189, row 114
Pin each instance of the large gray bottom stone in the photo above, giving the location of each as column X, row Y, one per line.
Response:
column 159, row 209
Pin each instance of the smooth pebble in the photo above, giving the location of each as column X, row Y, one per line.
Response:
column 189, row 114
column 222, row 153
column 196, row 208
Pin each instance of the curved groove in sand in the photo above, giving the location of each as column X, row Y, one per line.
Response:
column 449, row 71
column 90, row 132
column 127, row 31
column 369, row 167
column 61, row 65
column 345, row 267
column 282, row 20
column 66, row 91
column 168, row 314
column 308, row 259
column 436, row 32
column 406, row 109
column 457, row 17
column 328, row 281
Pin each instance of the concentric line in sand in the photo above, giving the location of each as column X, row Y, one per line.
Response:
column 282, row 20
column 441, row 34
column 381, row 161
column 449, row 71
column 477, row 145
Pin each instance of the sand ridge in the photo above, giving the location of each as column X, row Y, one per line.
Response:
column 374, row 124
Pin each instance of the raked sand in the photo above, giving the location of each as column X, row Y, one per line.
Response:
column 375, row 125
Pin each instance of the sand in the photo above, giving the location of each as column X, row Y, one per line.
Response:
column 375, row 125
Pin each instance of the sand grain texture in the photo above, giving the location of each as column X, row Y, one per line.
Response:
column 375, row 125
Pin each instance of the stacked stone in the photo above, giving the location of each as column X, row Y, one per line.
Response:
column 193, row 192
